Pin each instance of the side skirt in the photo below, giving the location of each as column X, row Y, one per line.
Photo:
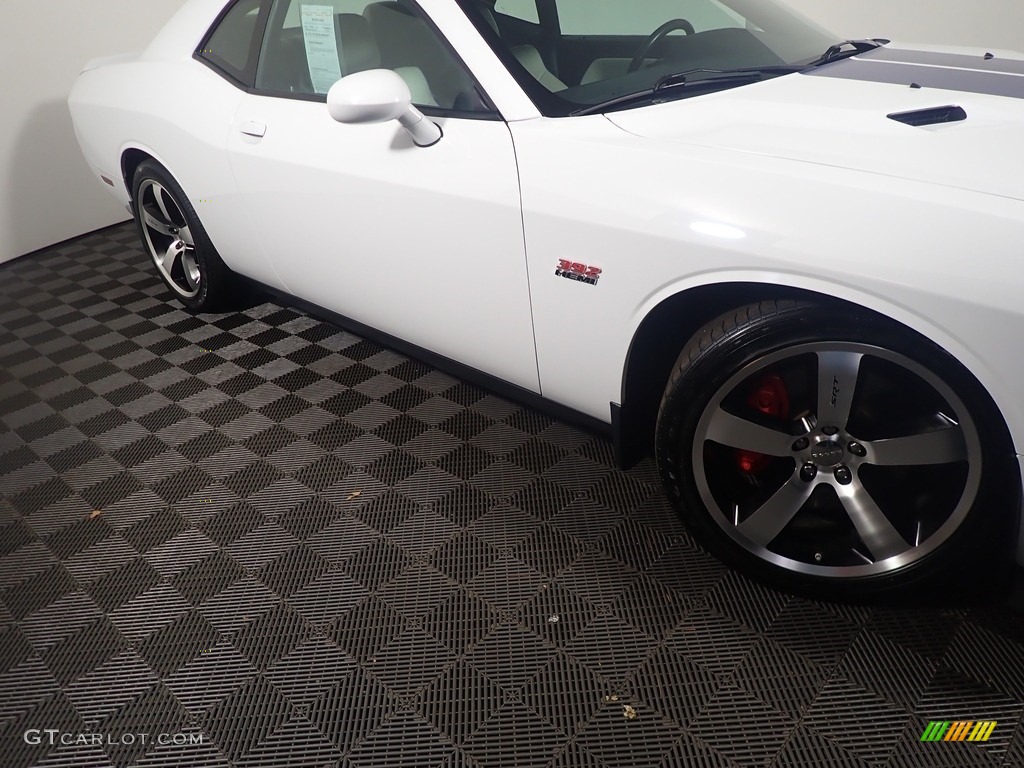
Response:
column 462, row 371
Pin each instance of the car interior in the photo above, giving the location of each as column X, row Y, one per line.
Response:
column 385, row 34
column 578, row 60
column 528, row 54
column 564, row 63
column 230, row 44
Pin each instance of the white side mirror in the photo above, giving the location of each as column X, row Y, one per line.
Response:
column 377, row 96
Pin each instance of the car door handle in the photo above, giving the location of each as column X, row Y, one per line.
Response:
column 253, row 128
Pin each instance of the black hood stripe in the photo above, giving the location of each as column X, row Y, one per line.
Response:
column 950, row 75
column 952, row 60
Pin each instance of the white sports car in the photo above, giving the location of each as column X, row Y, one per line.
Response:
column 787, row 265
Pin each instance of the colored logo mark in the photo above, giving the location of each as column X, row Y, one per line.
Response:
column 960, row 730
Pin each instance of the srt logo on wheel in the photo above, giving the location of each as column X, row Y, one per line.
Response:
column 581, row 273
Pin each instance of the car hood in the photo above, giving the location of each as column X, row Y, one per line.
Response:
column 841, row 114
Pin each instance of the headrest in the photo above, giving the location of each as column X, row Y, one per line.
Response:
column 357, row 47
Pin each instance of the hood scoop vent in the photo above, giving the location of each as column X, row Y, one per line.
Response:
column 931, row 116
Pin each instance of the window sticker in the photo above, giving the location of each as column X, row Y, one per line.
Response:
column 321, row 46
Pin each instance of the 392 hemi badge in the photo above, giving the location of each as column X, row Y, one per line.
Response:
column 581, row 273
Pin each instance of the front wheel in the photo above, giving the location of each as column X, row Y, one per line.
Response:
column 830, row 453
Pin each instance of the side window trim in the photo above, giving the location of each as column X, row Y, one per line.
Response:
column 246, row 79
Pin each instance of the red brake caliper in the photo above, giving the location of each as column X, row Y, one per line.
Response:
column 771, row 398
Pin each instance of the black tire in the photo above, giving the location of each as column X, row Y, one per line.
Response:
column 883, row 466
column 177, row 243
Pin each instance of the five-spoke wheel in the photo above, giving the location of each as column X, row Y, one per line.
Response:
column 176, row 241
column 168, row 238
column 820, row 451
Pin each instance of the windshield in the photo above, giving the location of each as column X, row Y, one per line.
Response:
column 573, row 54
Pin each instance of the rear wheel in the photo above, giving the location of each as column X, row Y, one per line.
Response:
column 831, row 453
column 175, row 240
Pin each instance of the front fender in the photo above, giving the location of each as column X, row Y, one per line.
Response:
column 663, row 219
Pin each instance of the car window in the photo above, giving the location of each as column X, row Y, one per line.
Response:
column 310, row 44
column 524, row 10
column 592, row 55
column 231, row 46
column 586, row 17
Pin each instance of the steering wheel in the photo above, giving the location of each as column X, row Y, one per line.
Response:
column 655, row 36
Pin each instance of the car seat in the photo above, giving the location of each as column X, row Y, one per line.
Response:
column 410, row 48
column 527, row 55
column 285, row 67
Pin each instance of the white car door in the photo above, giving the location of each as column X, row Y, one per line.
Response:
column 422, row 243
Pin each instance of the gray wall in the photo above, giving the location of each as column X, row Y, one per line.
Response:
column 47, row 193
column 985, row 23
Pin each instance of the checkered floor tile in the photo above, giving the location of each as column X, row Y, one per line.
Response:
column 256, row 539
